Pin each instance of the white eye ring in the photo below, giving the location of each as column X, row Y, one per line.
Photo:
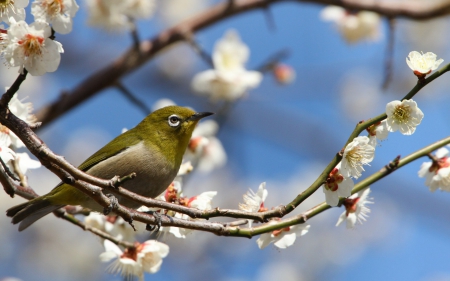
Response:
column 173, row 120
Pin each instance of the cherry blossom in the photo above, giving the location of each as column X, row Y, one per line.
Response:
column 58, row 13
column 437, row 172
column 403, row 116
column 229, row 80
column 145, row 257
column 337, row 186
column 356, row 154
column 355, row 208
column 205, row 151
column 422, row 64
column 12, row 9
column 354, row 26
column 30, row 47
column 115, row 15
column 377, row 132
column 282, row 238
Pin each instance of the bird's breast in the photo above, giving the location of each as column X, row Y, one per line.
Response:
column 154, row 172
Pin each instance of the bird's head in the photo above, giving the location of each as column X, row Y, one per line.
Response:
column 171, row 127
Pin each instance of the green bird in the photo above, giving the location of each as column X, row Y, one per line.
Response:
column 153, row 150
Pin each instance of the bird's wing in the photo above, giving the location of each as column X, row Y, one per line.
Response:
column 114, row 147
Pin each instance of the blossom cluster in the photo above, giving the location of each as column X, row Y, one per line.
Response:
column 19, row 163
column 281, row 238
column 31, row 46
column 403, row 116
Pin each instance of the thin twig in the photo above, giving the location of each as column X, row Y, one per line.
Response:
column 138, row 103
column 273, row 60
column 389, row 54
column 7, row 96
column 8, row 171
column 199, row 50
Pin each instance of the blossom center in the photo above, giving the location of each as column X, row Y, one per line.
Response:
column 53, row 7
column 131, row 253
column 171, row 193
column 354, row 157
column 194, row 143
column 439, row 164
column 230, row 62
column 4, row 4
column 4, row 129
column 351, row 205
column 333, row 180
column 402, row 114
column 372, row 129
column 31, row 44
column 279, row 231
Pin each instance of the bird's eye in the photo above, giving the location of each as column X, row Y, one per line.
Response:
column 174, row 120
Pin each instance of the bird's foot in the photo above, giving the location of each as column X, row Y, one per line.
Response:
column 156, row 227
column 113, row 202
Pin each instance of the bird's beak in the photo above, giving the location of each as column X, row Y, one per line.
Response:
column 199, row 115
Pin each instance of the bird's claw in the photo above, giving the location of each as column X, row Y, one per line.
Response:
column 156, row 227
column 113, row 202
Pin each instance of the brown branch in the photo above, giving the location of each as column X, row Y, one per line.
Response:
column 11, row 188
column 7, row 96
column 134, row 57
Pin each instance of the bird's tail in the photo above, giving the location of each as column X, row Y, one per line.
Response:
column 29, row 212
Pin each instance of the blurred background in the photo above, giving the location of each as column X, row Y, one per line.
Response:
column 280, row 134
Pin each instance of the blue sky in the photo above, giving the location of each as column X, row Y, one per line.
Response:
column 282, row 135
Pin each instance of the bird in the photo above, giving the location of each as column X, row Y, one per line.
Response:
column 153, row 150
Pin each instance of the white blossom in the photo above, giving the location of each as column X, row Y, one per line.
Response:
column 437, row 173
column 145, row 257
column 254, row 202
column 282, row 238
column 422, row 64
column 174, row 11
column 30, row 47
column 24, row 162
column 12, row 9
column 185, row 168
column 204, row 149
column 229, row 80
column 403, row 116
column 114, row 226
column 202, row 201
column 354, row 26
column 6, row 153
column 337, row 185
column 140, row 9
column 356, row 154
column 377, row 132
column 23, row 111
column 58, row 13
column 174, row 194
column 355, row 208
column 114, row 15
